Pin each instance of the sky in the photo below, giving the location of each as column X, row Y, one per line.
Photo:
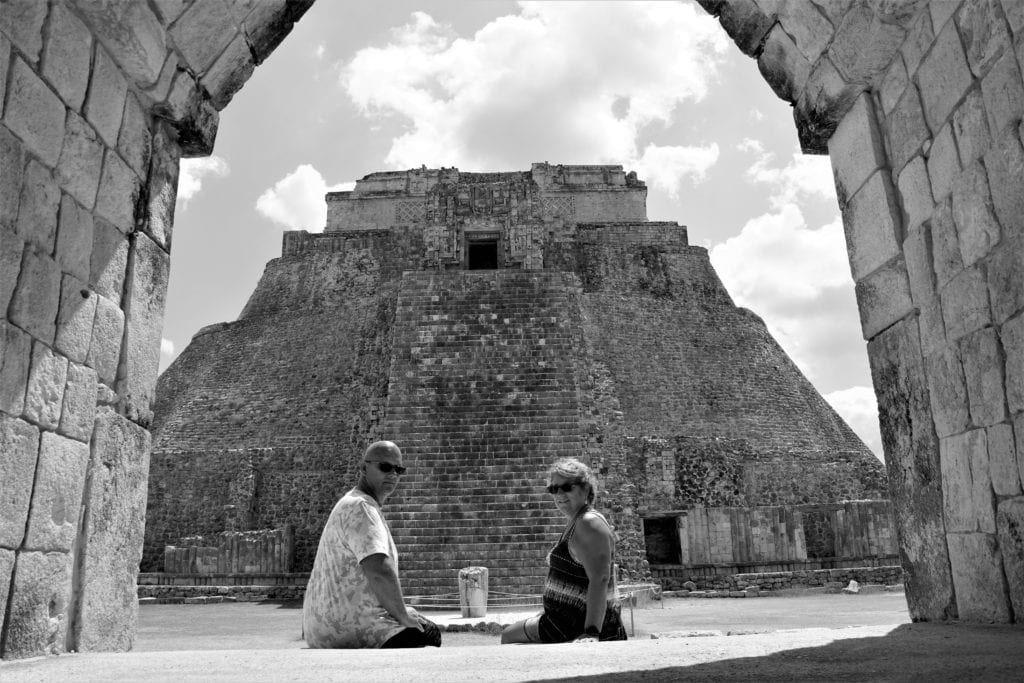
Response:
column 493, row 85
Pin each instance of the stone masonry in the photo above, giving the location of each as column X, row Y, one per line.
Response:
column 918, row 103
column 489, row 323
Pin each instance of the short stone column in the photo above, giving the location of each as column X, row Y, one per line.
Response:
column 473, row 591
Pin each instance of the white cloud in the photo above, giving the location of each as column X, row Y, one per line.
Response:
column 193, row 172
column 565, row 82
column 297, row 200
column 858, row 406
column 805, row 177
column 166, row 347
column 665, row 168
column 797, row 279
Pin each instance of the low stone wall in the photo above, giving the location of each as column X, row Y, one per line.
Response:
column 686, row 579
column 263, row 551
column 198, row 595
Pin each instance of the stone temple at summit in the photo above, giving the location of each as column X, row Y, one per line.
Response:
column 490, row 323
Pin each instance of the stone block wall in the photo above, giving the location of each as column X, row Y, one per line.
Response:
column 919, row 105
column 98, row 101
column 265, row 551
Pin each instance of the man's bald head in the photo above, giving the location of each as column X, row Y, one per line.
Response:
column 382, row 449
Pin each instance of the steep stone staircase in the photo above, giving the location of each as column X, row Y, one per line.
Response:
column 483, row 397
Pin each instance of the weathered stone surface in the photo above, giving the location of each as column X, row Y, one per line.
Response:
column 941, row 12
column 883, row 297
column 965, row 304
column 970, row 128
column 856, row 149
column 37, row 296
column 948, row 392
column 1006, row 287
column 1003, row 93
column 11, row 253
column 943, row 163
column 15, row 360
column 79, row 412
column 163, row 187
column 46, row 379
column 118, row 193
column 132, row 33
column 1004, row 164
column 933, row 329
column 871, row 220
column 916, row 193
column 74, row 239
column 782, row 65
column 105, row 104
column 229, row 73
column 984, row 33
column 894, row 84
column 1014, row 13
column 105, row 347
column 826, row 99
column 37, row 209
column 169, row 10
column 746, row 24
column 1010, row 525
column 918, row 41
column 74, row 319
column 944, row 76
column 6, row 572
column 1012, row 336
column 203, row 32
column 912, row 459
column 198, row 128
column 134, row 141
column 268, row 23
column 36, row 115
column 907, row 129
column 67, row 56
column 113, row 535
column 22, row 21
column 19, row 446
column 12, row 161
column 144, row 310
column 981, row 355
column 978, row 577
column 973, row 214
column 966, row 485
column 810, row 30
column 38, row 607
column 864, row 45
column 57, row 493
column 81, row 158
column 109, row 261
column 1002, row 460
column 917, row 250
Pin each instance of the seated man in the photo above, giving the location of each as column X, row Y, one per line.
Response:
column 353, row 598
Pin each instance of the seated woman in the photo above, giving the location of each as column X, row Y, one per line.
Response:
column 579, row 594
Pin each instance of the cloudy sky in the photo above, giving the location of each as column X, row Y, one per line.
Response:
column 495, row 86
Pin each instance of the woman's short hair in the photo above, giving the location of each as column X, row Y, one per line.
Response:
column 573, row 469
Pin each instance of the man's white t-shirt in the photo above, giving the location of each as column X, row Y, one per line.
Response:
column 340, row 610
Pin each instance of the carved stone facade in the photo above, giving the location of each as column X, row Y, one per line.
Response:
column 514, row 318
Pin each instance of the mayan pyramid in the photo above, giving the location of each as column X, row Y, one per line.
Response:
column 489, row 323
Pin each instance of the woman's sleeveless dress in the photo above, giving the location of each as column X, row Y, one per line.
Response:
column 565, row 596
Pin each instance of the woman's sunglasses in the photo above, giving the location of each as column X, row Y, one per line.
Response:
column 564, row 488
column 387, row 467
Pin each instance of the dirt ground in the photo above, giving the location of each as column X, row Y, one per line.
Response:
column 225, row 626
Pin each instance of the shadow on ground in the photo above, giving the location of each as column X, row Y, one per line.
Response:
column 910, row 652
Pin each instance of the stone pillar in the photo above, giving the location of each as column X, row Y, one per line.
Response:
column 97, row 106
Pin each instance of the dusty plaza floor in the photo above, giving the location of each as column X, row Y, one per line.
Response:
column 805, row 636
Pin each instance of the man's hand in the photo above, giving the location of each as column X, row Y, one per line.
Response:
column 383, row 580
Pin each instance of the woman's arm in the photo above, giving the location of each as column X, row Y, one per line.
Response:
column 592, row 545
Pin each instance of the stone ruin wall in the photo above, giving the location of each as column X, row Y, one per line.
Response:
column 917, row 103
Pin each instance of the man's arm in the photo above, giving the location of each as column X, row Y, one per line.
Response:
column 383, row 580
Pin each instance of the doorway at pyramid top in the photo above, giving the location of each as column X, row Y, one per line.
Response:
column 482, row 251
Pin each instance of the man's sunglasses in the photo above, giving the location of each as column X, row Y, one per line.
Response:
column 387, row 467
column 564, row 488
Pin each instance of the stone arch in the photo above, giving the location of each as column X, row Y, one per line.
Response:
column 919, row 105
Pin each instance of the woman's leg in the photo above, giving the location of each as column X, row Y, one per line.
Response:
column 521, row 632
